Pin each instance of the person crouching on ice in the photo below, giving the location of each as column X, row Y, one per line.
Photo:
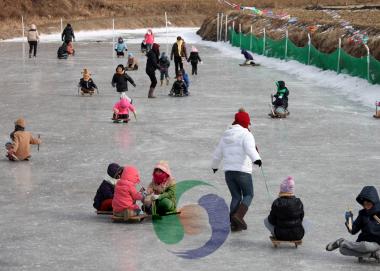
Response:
column 105, row 192
column 367, row 223
column 125, row 197
column 19, row 148
column 162, row 190
column 121, row 109
column 248, row 57
column 179, row 87
column 86, row 84
column 285, row 219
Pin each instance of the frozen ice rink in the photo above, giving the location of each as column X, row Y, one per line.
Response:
column 329, row 144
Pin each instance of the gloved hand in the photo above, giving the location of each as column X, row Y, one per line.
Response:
column 155, row 197
column 214, row 170
column 258, row 162
column 134, row 85
column 113, row 85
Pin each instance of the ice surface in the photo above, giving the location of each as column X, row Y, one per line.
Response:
column 330, row 144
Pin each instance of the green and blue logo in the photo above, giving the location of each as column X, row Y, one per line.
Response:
column 172, row 229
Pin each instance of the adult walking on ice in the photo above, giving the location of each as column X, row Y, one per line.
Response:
column 68, row 34
column 149, row 40
column 178, row 52
column 33, row 39
column 151, row 67
column 237, row 149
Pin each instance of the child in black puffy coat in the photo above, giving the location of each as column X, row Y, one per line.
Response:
column 286, row 216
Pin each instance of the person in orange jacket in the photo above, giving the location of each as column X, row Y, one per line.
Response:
column 19, row 148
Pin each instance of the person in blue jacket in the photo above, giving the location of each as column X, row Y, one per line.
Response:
column 120, row 47
column 367, row 223
column 248, row 57
column 186, row 79
column 105, row 192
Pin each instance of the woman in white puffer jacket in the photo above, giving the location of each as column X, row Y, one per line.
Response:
column 237, row 149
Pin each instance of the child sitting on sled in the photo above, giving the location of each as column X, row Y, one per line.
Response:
column 120, row 47
column 179, row 87
column 281, row 96
column 121, row 109
column 248, row 58
column 285, row 221
column 125, row 196
column 86, row 84
column 105, row 192
column 367, row 223
column 162, row 190
column 132, row 63
column 19, row 148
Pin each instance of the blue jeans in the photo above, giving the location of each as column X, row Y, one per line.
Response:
column 164, row 73
column 240, row 185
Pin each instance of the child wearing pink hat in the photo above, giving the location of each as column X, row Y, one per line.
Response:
column 162, row 190
column 194, row 58
column 285, row 221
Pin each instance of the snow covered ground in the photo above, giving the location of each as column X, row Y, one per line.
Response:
column 329, row 144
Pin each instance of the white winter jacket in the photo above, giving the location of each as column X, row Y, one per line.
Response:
column 237, row 148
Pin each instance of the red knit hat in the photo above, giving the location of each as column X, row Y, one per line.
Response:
column 242, row 118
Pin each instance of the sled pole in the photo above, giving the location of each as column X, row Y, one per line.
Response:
column 134, row 114
column 38, row 146
column 266, row 184
column 226, row 33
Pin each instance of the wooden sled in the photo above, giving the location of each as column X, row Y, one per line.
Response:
column 131, row 219
column 276, row 242
column 87, row 93
column 104, row 212
column 369, row 259
column 249, row 65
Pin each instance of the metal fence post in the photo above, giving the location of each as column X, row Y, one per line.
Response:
column 240, row 34
column 217, row 27
column 308, row 55
column 339, row 54
column 264, row 41
column 250, row 40
column 286, row 44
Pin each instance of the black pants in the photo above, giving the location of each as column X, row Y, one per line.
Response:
column 178, row 64
column 194, row 68
column 32, row 47
column 153, row 79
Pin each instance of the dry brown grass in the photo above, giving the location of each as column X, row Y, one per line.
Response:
column 93, row 14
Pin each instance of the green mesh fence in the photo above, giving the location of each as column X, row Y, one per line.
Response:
column 338, row 61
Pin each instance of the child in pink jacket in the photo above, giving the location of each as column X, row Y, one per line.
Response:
column 149, row 39
column 126, row 194
column 121, row 109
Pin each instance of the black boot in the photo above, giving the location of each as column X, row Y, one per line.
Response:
column 238, row 216
column 150, row 93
